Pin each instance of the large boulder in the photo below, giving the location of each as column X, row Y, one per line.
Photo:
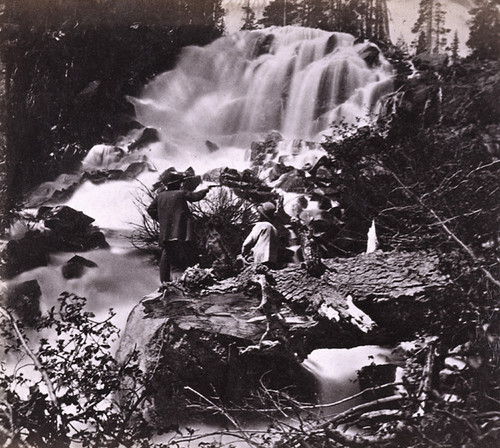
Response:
column 208, row 344
column 370, row 54
column 64, row 219
column 211, row 341
column 30, row 252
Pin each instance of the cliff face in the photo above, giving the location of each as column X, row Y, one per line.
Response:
column 215, row 342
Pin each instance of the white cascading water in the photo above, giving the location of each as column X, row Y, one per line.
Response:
column 236, row 90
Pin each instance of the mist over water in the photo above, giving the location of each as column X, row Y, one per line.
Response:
column 240, row 87
column 232, row 92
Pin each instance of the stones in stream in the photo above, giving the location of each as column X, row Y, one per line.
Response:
column 64, row 229
column 76, row 266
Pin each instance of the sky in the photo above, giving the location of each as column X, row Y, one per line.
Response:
column 402, row 16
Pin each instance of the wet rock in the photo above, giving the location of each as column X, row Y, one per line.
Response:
column 76, row 266
column 30, row 252
column 24, row 300
column 134, row 169
column 68, row 230
column 58, row 190
column 277, row 170
column 247, row 185
column 213, row 175
column 63, row 219
column 293, row 182
column 263, row 45
column 331, row 44
column 211, row 146
column 266, row 150
column 370, row 54
column 148, row 136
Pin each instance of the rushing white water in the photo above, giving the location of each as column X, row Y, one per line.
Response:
column 234, row 91
column 336, row 371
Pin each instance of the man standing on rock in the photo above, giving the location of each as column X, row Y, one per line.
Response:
column 176, row 239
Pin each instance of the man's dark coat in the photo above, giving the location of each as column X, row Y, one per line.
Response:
column 170, row 209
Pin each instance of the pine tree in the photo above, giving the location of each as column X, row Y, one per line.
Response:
column 423, row 25
column 431, row 21
column 280, row 13
column 420, row 44
column 454, row 48
column 484, row 37
column 249, row 20
column 311, row 13
column 439, row 28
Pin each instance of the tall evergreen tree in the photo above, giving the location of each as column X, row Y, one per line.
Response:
column 311, row 13
column 431, row 21
column 249, row 20
column 484, row 37
column 280, row 13
column 439, row 29
column 423, row 25
column 454, row 48
column 420, row 43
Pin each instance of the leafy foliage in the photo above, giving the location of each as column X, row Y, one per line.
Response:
column 72, row 393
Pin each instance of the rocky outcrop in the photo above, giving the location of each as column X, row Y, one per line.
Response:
column 65, row 229
column 124, row 168
column 214, row 339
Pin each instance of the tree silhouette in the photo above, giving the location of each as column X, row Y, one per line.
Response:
column 249, row 20
column 484, row 37
column 431, row 22
column 454, row 48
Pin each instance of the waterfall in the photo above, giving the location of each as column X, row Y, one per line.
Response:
column 240, row 87
column 232, row 92
column 336, row 371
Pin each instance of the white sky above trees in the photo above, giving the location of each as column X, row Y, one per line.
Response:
column 403, row 14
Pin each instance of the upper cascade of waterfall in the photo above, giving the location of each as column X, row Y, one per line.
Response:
column 240, row 87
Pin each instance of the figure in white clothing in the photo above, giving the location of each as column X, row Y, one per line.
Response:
column 262, row 244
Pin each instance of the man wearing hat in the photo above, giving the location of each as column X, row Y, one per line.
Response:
column 263, row 240
column 176, row 239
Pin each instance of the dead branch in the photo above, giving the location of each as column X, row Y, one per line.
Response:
column 356, row 410
column 227, row 415
column 443, row 225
